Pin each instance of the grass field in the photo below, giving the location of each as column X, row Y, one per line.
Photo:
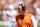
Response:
column 3, row 26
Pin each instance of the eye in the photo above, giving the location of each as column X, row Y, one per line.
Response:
column 18, row 8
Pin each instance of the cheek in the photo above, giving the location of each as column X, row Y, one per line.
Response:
column 20, row 9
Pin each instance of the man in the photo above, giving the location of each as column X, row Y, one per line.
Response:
column 10, row 16
column 25, row 19
column 37, row 9
column 38, row 14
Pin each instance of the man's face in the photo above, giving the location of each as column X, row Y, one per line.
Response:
column 20, row 8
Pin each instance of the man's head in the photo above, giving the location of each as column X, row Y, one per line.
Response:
column 11, row 7
column 21, row 8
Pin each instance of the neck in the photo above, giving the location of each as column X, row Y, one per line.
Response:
column 22, row 13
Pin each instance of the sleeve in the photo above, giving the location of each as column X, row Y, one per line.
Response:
column 34, row 21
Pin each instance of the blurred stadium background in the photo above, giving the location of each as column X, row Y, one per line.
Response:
column 30, row 5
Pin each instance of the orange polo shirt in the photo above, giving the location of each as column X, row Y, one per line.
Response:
column 26, row 22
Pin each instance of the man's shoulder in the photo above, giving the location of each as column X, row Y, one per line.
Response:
column 28, row 14
column 18, row 15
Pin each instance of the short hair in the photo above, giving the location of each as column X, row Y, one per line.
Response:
column 23, row 7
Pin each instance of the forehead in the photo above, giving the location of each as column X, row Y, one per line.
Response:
column 20, row 6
